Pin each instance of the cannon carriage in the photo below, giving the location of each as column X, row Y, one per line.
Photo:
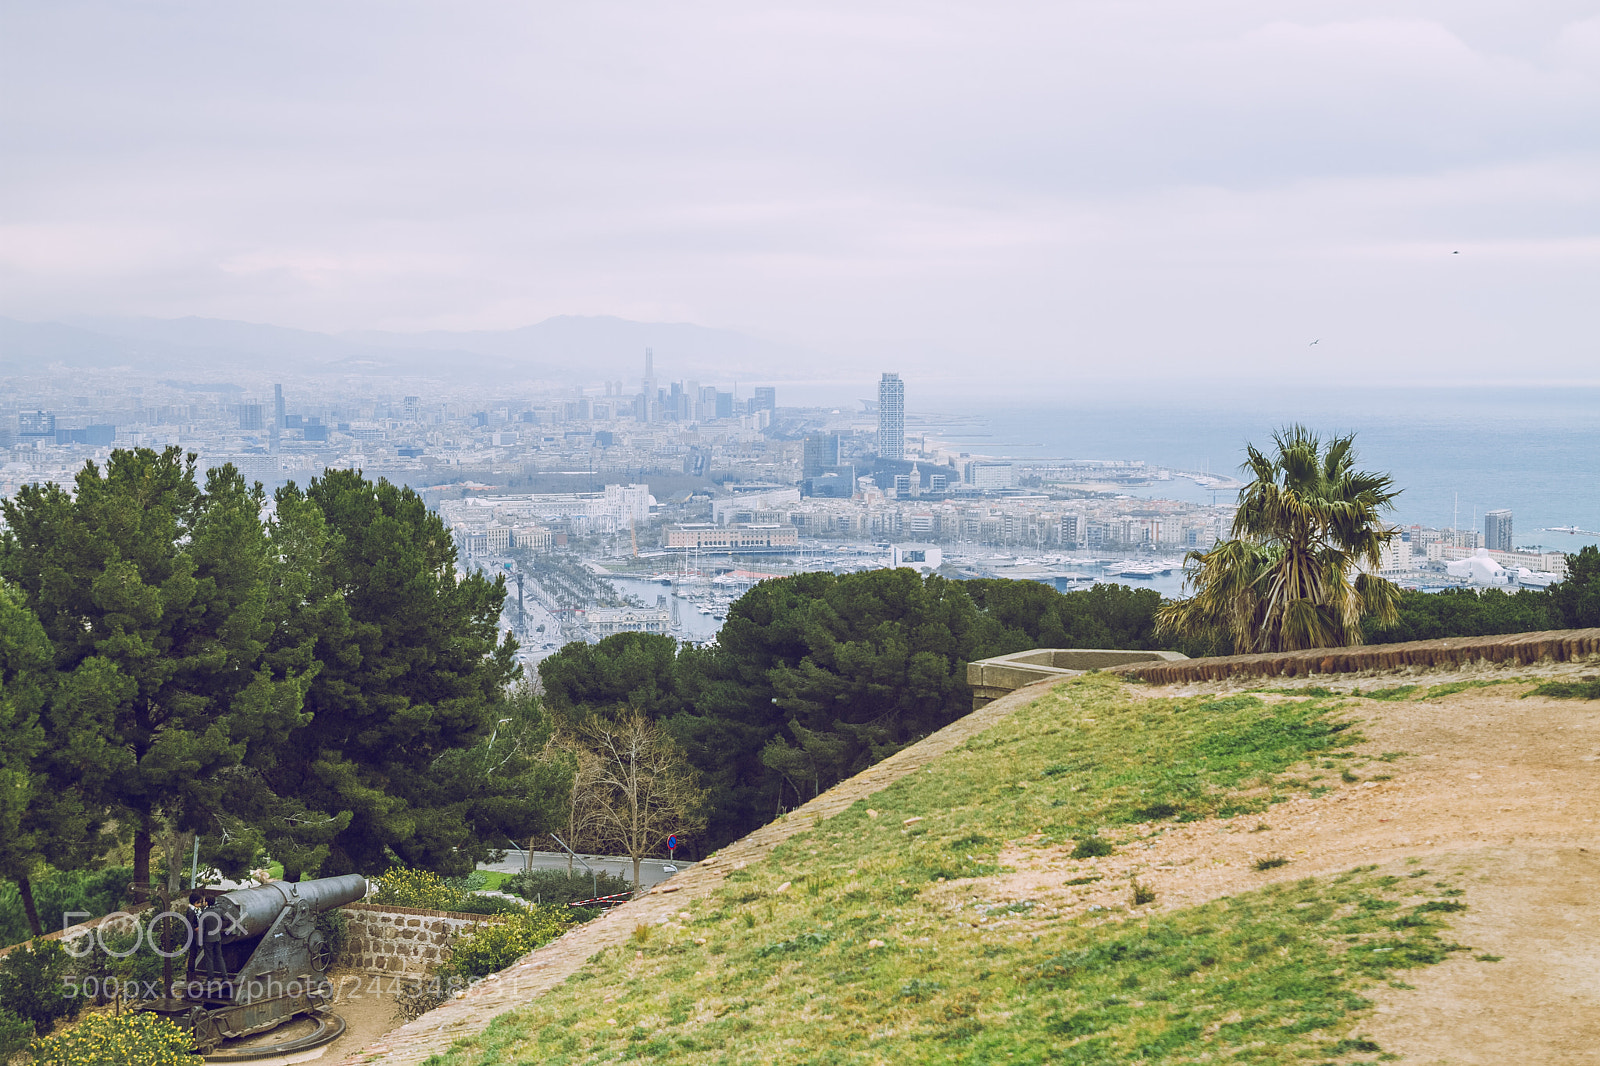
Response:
column 260, row 961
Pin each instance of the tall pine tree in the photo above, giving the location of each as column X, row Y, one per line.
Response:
column 153, row 592
column 412, row 678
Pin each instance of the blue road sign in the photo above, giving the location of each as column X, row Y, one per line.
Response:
column 672, row 843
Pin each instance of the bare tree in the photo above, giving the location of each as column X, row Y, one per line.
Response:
column 583, row 813
column 643, row 789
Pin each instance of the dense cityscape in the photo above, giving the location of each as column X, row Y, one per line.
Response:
column 650, row 506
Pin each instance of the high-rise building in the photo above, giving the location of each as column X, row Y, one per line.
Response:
column 891, row 417
column 649, row 390
column 1497, row 530
column 766, row 399
column 36, row 424
column 251, row 417
column 821, row 453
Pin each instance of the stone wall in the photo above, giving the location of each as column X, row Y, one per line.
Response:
column 990, row 679
column 402, row 941
column 1561, row 645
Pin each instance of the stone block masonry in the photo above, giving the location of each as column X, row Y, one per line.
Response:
column 398, row 941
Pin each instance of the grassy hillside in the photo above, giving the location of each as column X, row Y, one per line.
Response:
column 880, row 935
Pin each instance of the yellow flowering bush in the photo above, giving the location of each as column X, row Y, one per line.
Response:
column 400, row 887
column 497, row 943
column 117, row 1040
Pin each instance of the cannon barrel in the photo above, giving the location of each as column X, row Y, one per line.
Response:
column 251, row 911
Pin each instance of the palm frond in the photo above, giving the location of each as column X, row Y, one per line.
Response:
column 1307, row 527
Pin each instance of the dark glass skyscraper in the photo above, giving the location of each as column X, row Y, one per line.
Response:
column 1497, row 531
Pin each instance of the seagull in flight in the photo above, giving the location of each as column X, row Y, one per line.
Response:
column 1317, row 341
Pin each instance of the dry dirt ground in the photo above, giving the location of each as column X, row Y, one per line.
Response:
column 1495, row 791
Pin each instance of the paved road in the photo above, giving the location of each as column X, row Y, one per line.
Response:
column 651, row 871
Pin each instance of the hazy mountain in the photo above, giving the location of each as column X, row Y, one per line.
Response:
column 582, row 347
column 566, row 348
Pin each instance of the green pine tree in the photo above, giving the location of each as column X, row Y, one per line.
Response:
column 153, row 592
column 412, row 678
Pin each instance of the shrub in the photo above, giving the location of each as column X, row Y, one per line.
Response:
column 555, row 887
column 400, row 887
column 332, row 925
column 97, row 892
column 497, row 943
column 32, row 984
column 126, row 961
column 1092, row 847
column 117, row 1040
column 15, row 1034
column 487, row 905
column 1271, row 863
column 1569, row 690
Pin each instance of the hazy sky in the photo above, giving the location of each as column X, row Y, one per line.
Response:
column 1155, row 189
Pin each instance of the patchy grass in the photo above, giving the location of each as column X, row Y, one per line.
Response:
column 1452, row 687
column 1400, row 692
column 1092, row 848
column 1568, row 690
column 884, row 964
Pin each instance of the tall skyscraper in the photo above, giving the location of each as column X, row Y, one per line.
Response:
column 766, row 399
column 891, row 417
column 1497, row 530
column 649, row 392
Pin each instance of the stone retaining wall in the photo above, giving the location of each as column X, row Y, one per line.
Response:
column 402, row 941
column 1559, row 645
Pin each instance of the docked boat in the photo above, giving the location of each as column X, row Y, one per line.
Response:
column 1144, row 570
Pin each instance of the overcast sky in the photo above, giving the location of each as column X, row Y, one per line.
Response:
column 1167, row 188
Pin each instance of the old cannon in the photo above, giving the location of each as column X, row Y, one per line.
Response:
column 258, row 960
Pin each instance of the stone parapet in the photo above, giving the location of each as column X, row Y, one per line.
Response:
column 990, row 679
column 1559, row 645
column 401, row 941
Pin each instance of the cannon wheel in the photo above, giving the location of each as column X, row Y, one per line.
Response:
column 206, row 1033
column 321, row 953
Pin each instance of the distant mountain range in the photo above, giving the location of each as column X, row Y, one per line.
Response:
column 568, row 348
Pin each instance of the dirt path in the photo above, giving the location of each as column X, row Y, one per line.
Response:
column 1500, row 793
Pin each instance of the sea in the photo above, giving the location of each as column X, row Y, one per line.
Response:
column 1454, row 453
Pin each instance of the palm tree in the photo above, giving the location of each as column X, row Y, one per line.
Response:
column 1296, row 573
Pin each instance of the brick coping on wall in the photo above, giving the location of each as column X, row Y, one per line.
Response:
column 418, row 911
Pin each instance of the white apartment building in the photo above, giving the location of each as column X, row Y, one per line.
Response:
column 705, row 537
